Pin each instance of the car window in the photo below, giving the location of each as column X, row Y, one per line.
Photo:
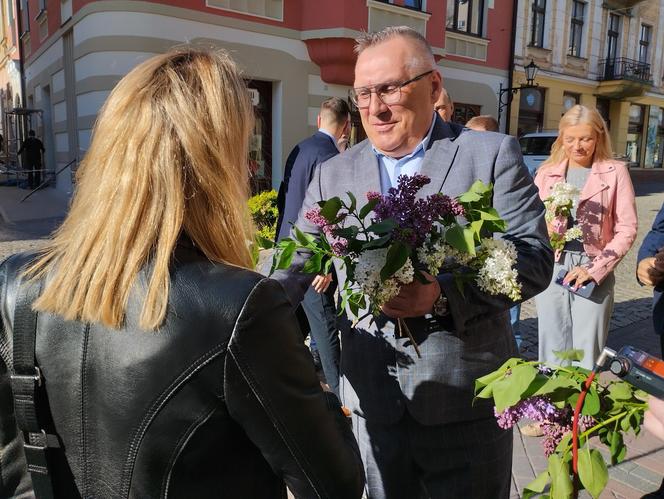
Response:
column 536, row 146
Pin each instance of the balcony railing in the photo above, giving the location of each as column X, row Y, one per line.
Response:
column 622, row 68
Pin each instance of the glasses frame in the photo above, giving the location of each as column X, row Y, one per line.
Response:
column 374, row 90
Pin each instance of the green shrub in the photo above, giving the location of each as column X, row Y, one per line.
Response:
column 263, row 209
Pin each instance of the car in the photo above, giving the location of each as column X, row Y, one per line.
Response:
column 535, row 148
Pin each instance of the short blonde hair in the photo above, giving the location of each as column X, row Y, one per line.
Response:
column 483, row 122
column 581, row 115
column 168, row 156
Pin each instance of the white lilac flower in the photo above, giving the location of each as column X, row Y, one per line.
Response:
column 367, row 275
column 497, row 274
column 573, row 233
column 561, row 200
column 434, row 255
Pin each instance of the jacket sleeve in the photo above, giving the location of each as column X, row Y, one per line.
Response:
column 624, row 228
column 272, row 391
column 517, row 200
column 654, row 239
column 14, row 479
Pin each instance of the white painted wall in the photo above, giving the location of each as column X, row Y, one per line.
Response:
column 108, row 63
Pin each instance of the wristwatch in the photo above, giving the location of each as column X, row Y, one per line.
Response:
column 440, row 306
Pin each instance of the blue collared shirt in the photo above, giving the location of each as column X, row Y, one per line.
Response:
column 391, row 168
column 321, row 130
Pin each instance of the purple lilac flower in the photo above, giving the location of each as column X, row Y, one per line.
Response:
column 314, row 216
column 371, row 195
column 339, row 247
column 415, row 217
column 536, row 408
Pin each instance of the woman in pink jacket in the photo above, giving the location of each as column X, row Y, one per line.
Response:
column 605, row 213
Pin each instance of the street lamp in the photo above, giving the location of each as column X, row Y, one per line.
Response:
column 506, row 94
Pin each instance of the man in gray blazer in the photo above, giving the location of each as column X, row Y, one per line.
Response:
column 419, row 431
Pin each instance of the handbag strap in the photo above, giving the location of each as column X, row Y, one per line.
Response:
column 26, row 381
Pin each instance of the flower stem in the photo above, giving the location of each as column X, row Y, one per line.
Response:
column 402, row 323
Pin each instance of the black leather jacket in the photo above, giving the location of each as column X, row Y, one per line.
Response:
column 222, row 401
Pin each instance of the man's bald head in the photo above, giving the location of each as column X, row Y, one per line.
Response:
column 444, row 106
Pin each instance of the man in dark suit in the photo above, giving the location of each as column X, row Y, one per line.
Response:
column 419, row 431
column 333, row 123
column 650, row 271
column 32, row 149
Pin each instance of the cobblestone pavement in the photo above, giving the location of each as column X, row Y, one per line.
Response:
column 15, row 238
column 643, row 468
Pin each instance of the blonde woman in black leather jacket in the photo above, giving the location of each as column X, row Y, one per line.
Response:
column 167, row 366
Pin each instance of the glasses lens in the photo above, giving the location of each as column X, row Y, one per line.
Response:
column 390, row 95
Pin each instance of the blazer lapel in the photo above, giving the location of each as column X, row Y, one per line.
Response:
column 438, row 158
column 366, row 175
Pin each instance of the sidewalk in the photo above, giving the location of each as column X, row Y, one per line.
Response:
column 46, row 203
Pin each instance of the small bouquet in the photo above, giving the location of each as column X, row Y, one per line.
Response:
column 389, row 241
column 548, row 395
column 559, row 205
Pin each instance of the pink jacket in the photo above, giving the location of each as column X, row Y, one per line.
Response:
column 606, row 212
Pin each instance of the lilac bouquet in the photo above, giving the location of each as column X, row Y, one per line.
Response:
column 559, row 205
column 393, row 238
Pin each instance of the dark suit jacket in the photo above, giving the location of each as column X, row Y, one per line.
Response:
column 382, row 375
column 298, row 173
column 653, row 241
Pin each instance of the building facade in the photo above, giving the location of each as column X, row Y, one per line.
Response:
column 294, row 53
column 10, row 66
column 602, row 53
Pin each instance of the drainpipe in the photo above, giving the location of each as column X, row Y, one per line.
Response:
column 510, row 79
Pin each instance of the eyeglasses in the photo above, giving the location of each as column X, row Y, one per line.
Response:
column 388, row 93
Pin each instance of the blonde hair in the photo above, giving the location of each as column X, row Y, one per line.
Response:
column 168, row 155
column 581, row 115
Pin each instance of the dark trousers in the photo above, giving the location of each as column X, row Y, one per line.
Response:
column 34, row 178
column 322, row 316
column 463, row 460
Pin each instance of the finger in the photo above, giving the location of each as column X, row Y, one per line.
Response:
column 654, row 425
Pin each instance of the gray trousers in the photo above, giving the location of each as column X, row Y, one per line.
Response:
column 409, row 460
column 566, row 321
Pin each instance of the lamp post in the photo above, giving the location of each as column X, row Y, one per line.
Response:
column 506, row 94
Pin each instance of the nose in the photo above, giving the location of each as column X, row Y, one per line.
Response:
column 376, row 106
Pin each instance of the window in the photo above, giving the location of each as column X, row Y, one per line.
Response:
column 612, row 36
column 570, row 100
column 42, row 6
column 466, row 16
column 603, row 106
column 531, row 111
column 413, row 4
column 576, row 28
column 463, row 112
column 25, row 17
column 635, row 135
column 537, row 32
column 644, row 43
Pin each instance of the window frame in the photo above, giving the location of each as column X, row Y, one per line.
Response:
column 576, row 28
column 469, row 20
column 538, row 12
column 644, row 44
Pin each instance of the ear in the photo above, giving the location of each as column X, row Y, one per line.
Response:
column 436, row 85
column 318, row 120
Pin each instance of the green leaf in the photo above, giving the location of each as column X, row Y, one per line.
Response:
column 592, row 471
column 314, row 264
column 617, row 447
column 536, row 486
column 620, row 391
column 469, row 197
column 382, row 227
column 463, row 239
column 284, row 255
column 264, row 242
column 556, row 383
column 377, row 243
column 570, row 355
column 507, row 391
column 302, row 238
column 353, row 201
column 487, row 379
column 591, row 403
column 367, row 208
column 561, row 483
column 396, row 257
column 330, row 208
column 349, row 232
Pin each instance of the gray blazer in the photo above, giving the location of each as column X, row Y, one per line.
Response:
column 382, row 374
